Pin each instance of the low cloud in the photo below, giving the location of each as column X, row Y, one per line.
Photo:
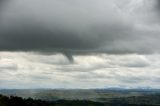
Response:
column 7, row 65
column 89, row 71
column 135, row 61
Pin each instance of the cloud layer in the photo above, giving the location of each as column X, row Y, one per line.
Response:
column 26, row 70
column 80, row 26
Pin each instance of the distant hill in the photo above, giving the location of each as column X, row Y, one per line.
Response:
column 78, row 94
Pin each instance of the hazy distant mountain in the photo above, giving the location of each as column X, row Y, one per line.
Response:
column 78, row 94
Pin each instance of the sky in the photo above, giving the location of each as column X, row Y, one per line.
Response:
column 79, row 44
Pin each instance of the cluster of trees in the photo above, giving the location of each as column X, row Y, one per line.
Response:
column 152, row 100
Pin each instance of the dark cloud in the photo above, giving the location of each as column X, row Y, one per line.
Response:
column 72, row 28
column 39, row 38
column 1, row 6
column 158, row 5
column 1, row 2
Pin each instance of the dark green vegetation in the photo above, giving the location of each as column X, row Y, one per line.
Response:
column 152, row 100
column 80, row 98
column 18, row 101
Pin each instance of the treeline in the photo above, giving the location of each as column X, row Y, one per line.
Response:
column 131, row 101
column 18, row 101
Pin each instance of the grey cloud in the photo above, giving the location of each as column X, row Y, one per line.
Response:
column 37, row 77
column 61, row 40
column 158, row 4
column 73, row 27
column 8, row 67
column 52, row 60
column 131, row 79
column 41, row 38
column 139, row 63
column 2, row 2
column 83, row 68
column 114, row 75
column 92, row 76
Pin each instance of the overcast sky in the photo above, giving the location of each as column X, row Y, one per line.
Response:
column 79, row 43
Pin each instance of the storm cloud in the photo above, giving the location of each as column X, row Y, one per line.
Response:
column 158, row 4
column 78, row 26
